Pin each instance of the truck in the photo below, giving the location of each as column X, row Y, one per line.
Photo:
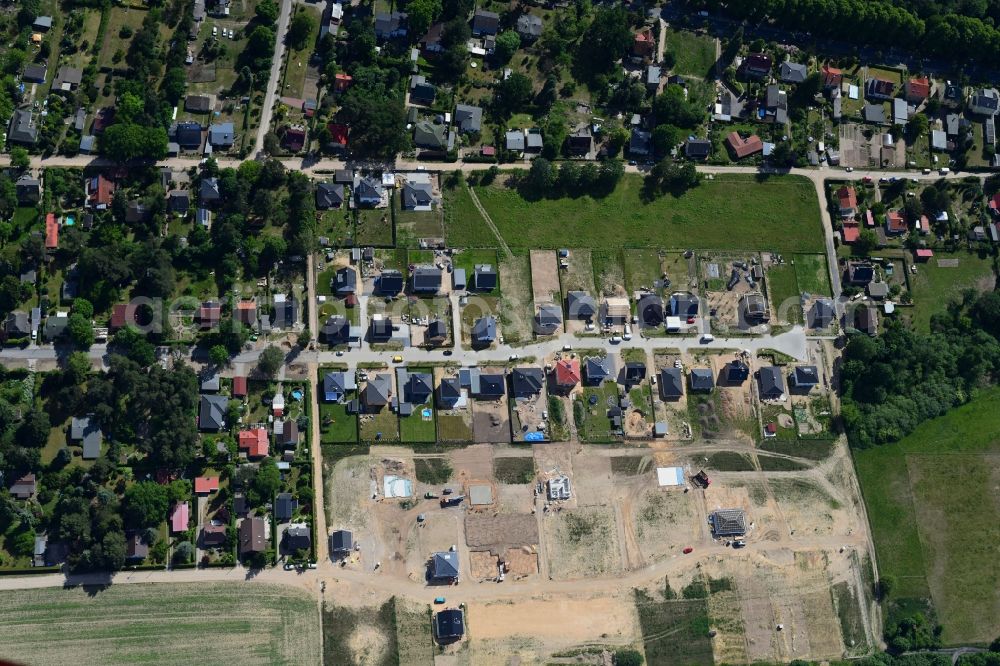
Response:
column 453, row 500
column 701, row 479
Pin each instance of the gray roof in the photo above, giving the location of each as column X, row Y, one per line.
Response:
column 671, row 383
column 341, row 541
column 418, row 387
column 468, row 118
column 701, row 379
column 212, row 412
column 652, row 75
column 729, row 522
column 67, row 77
column 484, row 329
column 526, row 381
column 16, row 325
column 485, row 22
column 805, row 375
column 284, row 506
column 529, row 25
column 514, row 140
column 429, row 135
column 874, row 113
column 221, row 134
column 793, row 72
column 444, row 565
column 597, row 369
column 34, row 72
column 484, row 277
column 329, row 195
column 417, row 194
column 580, row 305
column 772, row 384
column 209, row 190
column 369, row 188
column 640, row 143
column 345, row 281
column 85, row 430
column 426, row 278
column 450, row 388
column 377, row 390
column 43, row 22
column 211, row 383
column 549, row 315
column 22, row 127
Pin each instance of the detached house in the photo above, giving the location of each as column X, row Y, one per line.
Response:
column 792, row 72
column 879, row 89
column 756, row 66
column 917, row 90
column 985, row 101
column 485, row 23
column 847, row 201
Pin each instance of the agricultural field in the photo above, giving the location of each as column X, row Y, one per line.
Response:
column 779, row 214
column 934, row 533
column 356, row 636
column 674, row 631
column 178, row 624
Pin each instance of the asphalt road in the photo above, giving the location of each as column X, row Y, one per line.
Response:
column 272, row 83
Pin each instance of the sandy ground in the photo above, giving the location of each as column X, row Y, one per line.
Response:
column 544, row 277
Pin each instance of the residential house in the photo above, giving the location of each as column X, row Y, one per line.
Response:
column 55, row 326
column 368, row 191
column 254, row 442
column 832, row 77
column 741, row 148
column 204, row 485
column 341, row 543
column 684, row 304
column 985, row 101
column 580, row 305
column 389, row 25
column 180, row 516
column 895, row 223
column 596, row 369
column 246, row 312
column 67, row 79
column 337, row 330
column 484, row 277
column 728, row 523
column 377, row 392
column 444, row 567
column 252, row 536
column 208, row 191
column 380, row 328
column 805, row 377
column 42, row 23
column 644, row 44
column 436, row 332
column 917, row 90
column 298, row 537
column 792, row 72
column 199, row 103
column 514, row 141
column 484, row 331
column 294, row 138
column 337, row 384
column 389, row 282
column 329, row 195
column 671, row 382
column 847, row 201
column 430, row 136
column 286, row 311
column 212, row 412
column 952, row 124
column 179, row 201
column 698, row 149
column 874, row 114
column 533, row 142
column 209, row 315
column 24, row 488
column 421, row 92
column 425, row 280
column 187, row 135
column 284, row 507
column 16, row 326
column 771, row 383
column 222, row 135
column 640, row 143
column 822, row 314
column 339, row 133
column 34, row 73
column 652, row 78
column 87, row 432
column 485, row 23
column 213, row 536
column 344, row 281
column 879, row 89
column 417, row 196
column 51, row 232
column 449, row 393
column 468, row 118
column 735, row 372
column 701, row 380
column 548, row 319
column 341, row 82
column 136, row 549
column 28, row 189
column 526, row 382
column 633, row 373
column 579, row 143
column 616, row 310
column 866, row 320
column 756, row 66
column 449, row 625
column 859, row 273
column 939, row 141
column 529, row 27
column 649, row 309
column 22, row 129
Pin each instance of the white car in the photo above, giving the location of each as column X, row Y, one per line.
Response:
column 616, row 339
column 215, row 31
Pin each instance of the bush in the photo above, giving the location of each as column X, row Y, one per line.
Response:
column 628, row 657
column 183, row 553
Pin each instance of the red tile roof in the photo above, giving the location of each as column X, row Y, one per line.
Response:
column 925, row 254
column 995, row 203
column 918, row 88
column 488, row 151
column 567, row 372
column 342, row 82
column 832, row 76
column 851, row 232
column 895, row 222
column 869, row 218
column 744, row 147
column 255, row 442
column 179, row 516
column 51, row 232
column 847, row 199
column 338, row 133
column 239, row 387
column 102, row 190
column 206, row 484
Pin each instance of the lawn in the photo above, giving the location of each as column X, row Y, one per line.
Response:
column 463, row 222
column 178, row 623
column 336, row 425
column 415, row 428
column 298, row 61
column 338, row 226
column 695, row 54
column 468, row 259
column 380, row 427
column 642, row 269
column 811, row 274
column 935, row 516
column 728, row 212
column 783, row 291
column 453, row 428
column 374, row 227
column 933, row 286
column 596, row 426
column 412, row 225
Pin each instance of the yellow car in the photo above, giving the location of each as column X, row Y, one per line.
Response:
column 397, row 359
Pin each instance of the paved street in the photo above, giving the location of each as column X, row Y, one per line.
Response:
column 272, row 83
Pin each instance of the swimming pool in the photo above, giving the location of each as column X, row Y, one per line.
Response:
column 297, row 394
column 70, row 221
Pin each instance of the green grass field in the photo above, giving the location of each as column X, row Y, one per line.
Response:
column 782, row 287
column 374, row 227
column 674, row 631
column 811, row 274
column 164, row 624
column 695, row 54
column 415, row 428
column 728, row 212
column 336, row 425
column 934, row 286
column 596, row 424
column 935, row 516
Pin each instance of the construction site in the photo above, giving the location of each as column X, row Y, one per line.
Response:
column 537, row 531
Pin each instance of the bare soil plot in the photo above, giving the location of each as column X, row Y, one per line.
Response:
column 516, row 311
column 178, row 623
column 349, row 487
column 473, row 462
column 663, row 520
column 544, row 276
column 582, row 542
column 533, row 629
column 526, row 414
column 491, row 421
